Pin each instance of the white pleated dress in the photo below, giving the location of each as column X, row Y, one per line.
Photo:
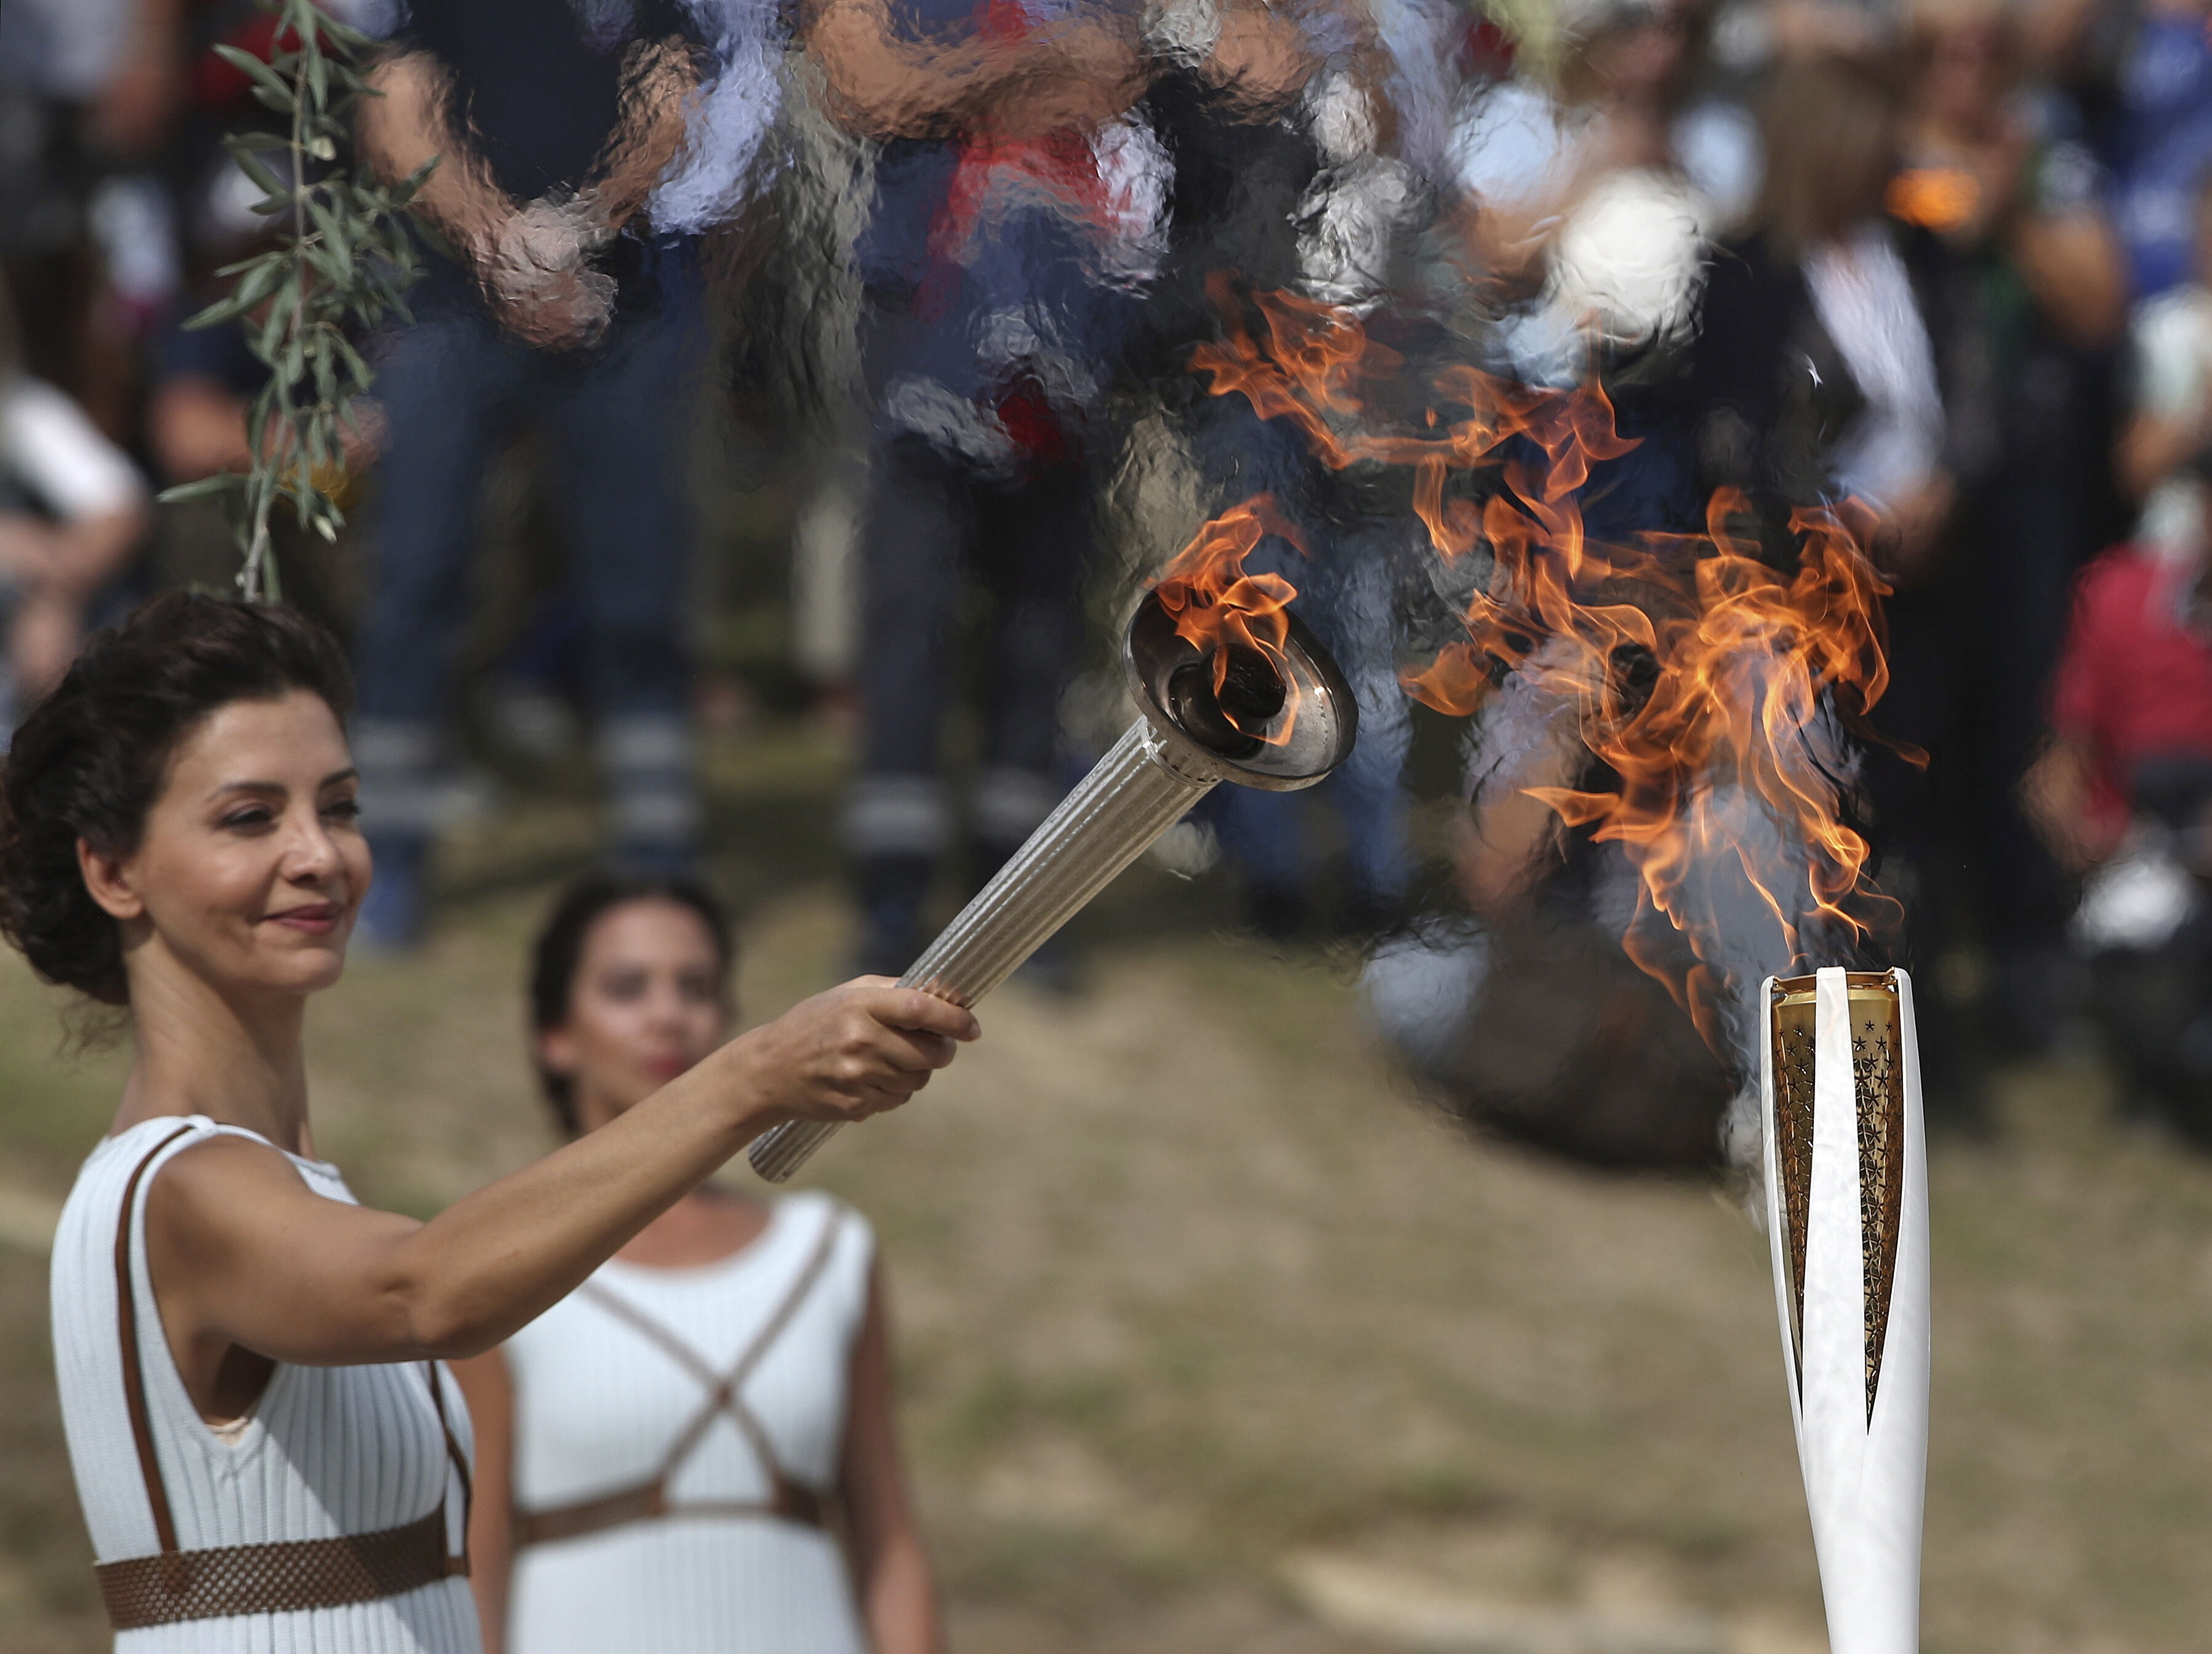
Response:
column 600, row 1404
column 328, row 1451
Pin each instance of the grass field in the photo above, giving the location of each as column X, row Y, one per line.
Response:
column 1214, row 1339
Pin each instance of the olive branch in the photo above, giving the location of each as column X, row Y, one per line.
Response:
column 343, row 261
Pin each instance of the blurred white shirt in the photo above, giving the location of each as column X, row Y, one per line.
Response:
column 2172, row 339
column 1864, row 300
column 50, row 450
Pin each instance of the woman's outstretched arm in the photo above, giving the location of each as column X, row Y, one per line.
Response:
column 245, row 1255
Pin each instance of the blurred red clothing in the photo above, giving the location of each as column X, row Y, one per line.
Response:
column 2135, row 680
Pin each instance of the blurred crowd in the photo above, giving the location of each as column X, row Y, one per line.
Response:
column 934, row 269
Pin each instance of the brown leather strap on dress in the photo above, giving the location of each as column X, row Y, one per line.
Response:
column 788, row 1498
column 794, row 1501
column 454, row 1564
column 134, row 1376
column 281, row 1577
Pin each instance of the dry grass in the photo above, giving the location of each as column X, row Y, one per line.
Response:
column 1212, row 1341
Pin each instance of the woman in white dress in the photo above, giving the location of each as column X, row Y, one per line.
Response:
column 269, row 1458
column 661, row 1455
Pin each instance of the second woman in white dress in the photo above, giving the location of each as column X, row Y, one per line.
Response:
column 695, row 1452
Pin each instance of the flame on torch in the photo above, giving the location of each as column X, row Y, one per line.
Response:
column 1708, row 682
column 1239, row 623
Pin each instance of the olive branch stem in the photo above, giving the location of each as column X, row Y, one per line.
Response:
column 343, row 262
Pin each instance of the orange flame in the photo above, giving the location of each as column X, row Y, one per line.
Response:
column 1735, row 662
column 1219, row 608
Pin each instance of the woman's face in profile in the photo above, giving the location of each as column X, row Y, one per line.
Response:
column 646, row 1004
column 252, row 865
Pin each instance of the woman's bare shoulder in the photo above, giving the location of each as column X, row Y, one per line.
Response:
column 226, row 1183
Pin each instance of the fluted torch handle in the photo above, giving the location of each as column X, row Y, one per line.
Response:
column 777, row 1154
column 1140, row 789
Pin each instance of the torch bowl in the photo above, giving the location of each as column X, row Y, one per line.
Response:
column 1295, row 745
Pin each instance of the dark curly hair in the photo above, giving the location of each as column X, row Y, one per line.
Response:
column 94, row 754
column 559, row 953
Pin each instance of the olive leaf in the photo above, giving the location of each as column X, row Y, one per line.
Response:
column 341, row 262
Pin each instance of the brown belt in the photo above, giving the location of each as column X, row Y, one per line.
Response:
column 282, row 1578
column 284, row 1575
column 792, row 1502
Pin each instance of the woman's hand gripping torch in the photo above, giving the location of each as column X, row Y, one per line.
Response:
column 1277, row 718
column 1847, row 1216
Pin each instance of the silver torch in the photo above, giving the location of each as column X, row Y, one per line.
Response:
column 1276, row 718
column 1847, row 1216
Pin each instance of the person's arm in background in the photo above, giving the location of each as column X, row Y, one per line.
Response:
column 405, row 127
column 1261, row 58
column 58, row 566
column 98, row 511
column 2040, row 202
column 490, row 1390
column 2072, row 264
column 1508, row 841
column 658, row 75
column 533, row 260
column 540, row 266
column 2171, row 376
column 1074, row 73
column 897, row 1592
column 67, row 562
column 196, row 428
column 2057, row 792
column 2152, row 446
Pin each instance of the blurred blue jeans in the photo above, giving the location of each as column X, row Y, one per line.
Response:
column 453, row 385
column 1346, row 595
column 1346, row 602
column 935, row 528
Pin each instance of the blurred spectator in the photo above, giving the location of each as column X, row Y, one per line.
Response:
column 1012, row 195
column 1798, row 31
column 2032, row 293
column 1537, row 1025
column 553, row 124
column 206, row 383
column 201, row 388
column 201, row 385
column 1600, row 199
column 2000, row 173
column 2125, row 794
column 1818, row 377
column 71, row 509
column 1305, row 146
column 88, row 90
column 2123, row 790
column 2162, row 447
column 1345, row 594
column 2160, row 138
column 1601, row 188
column 1815, row 375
